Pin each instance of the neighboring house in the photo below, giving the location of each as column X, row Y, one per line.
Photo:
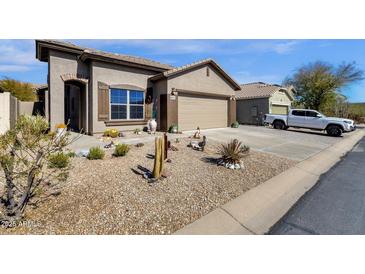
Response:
column 254, row 100
column 94, row 90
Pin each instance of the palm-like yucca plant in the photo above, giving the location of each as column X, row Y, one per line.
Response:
column 233, row 152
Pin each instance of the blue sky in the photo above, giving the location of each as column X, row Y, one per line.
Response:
column 245, row 60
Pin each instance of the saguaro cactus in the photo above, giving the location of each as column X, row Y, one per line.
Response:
column 159, row 157
column 165, row 147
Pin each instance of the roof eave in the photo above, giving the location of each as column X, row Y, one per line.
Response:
column 253, row 97
column 157, row 77
column 42, row 45
column 90, row 56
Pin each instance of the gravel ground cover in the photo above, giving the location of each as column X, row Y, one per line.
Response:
column 111, row 197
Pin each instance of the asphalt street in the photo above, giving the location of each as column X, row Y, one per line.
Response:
column 335, row 205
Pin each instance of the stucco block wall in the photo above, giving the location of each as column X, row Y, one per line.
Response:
column 61, row 64
column 113, row 75
column 197, row 80
column 13, row 110
column 243, row 109
column 25, row 108
column 4, row 112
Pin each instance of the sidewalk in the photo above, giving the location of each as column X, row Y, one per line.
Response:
column 258, row 209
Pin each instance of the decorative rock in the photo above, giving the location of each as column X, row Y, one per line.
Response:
column 152, row 125
column 152, row 180
column 82, row 153
column 221, row 162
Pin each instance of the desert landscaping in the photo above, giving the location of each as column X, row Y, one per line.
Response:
column 111, row 196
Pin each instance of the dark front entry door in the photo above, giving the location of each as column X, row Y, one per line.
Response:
column 163, row 112
column 73, row 107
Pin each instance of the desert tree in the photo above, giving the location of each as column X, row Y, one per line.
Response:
column 318, row 84
column 21, row 90
column 31, row 167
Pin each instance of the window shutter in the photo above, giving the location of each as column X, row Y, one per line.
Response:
column 103, row 102
column 148, row 104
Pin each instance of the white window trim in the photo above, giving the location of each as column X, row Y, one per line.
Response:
column 128, row 106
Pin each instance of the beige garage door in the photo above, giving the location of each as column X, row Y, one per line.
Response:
column 277, row 109
column 203, row 112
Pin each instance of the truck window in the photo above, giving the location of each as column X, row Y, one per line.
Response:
column 298, row 113
column 311, row 114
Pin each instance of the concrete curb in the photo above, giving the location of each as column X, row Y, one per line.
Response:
column 258, row 209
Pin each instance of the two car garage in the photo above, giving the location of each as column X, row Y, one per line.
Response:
column 202, row 112
column 197, row 95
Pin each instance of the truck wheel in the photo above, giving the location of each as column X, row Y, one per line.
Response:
column 334, row 131
column 279, row 125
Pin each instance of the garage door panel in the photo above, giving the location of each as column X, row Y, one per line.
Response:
column 279, row 109
column 205, row 112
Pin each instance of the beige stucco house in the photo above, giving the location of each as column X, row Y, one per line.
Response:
column 254, row 100
column 93, row 90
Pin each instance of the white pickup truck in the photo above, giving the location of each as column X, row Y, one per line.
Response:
column 311, row 119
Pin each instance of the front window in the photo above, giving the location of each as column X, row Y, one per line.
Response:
column 126, row 104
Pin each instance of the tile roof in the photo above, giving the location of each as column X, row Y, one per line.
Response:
column 193, row 65
column 89, row 53
column 40, row 86
column 259, row 90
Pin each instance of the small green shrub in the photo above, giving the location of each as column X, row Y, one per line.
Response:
column 137, row 131
column 111, row 132
column 235, row 124
column 121, row 150
column 173, row 128
column 96, row 153
column 58, row 160
column 71, row 154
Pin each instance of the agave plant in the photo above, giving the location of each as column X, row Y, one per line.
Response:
column 233, row 152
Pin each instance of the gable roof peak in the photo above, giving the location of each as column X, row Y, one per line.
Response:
column 193, row 65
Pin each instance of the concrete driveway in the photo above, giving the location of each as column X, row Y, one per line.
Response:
column 293, row 143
